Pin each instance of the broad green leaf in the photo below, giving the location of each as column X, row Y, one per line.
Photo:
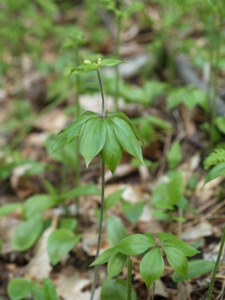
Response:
column 174, row 156
column 68, row 223
column 60, row 242
column 152, row 266
column 115, row 289
column 19, row 288
column 112, row 152
column 38, row 204
column 104, row 257
column 127, row 138
column 68, row 134
column 195, row 268
column 215, row 172
column 110, row 62
column 27, row 233
column 92, row 139
column 37, row 292
column 116, row 264
column 176, row 259
column 9, row 208
column 112, row 199
column 132, row 211
column 83, row 190
column 134, row 244
column 49, row 290
column 115, row 230
column 124, row 117
column 175, row 188
column 171, row 240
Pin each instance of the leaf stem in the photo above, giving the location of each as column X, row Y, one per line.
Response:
column 102, row 92
column 99, row 228
column 129, row 278
column 216, row 266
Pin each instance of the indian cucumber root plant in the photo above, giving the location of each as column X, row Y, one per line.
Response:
column 112, row 156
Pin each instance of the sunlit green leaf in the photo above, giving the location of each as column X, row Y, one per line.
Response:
column 60, row 242
column 127, row 138
column 134, row 244
column 115, row 230
column 218, row 170
column 152, row 266
column 104, row 257
column 112, row 152
column 27, row 233
column 93, row 138
column 176, row 259
column 116, row 264
column 19, row 288
column 37, row 204
column 68, row 134
column 171, row 240
column 195, row 268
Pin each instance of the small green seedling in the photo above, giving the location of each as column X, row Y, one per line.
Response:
column 168, row 196
column 21, row 288
column 152, row 250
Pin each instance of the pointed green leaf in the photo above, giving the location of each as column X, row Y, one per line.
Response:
column 195, row 268
column 27, row 233
column 112, row 152
column 116, row 264
column 37, row 204
column 68, row 134
column 124, row 117
column 104, row 257
column 19, row 288
column 93, row 137
column 134, row 244
column 83, row 190
column 127, row 138
column 115, row 230
column 49, row 290
column 171, row 240
column 176, row 259
column 152, row 266
column 218, row 170
column 110, row 62
column 60, row 242
column 132, row 211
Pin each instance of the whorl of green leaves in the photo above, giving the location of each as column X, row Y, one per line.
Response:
column 215, row 158
column 107, row 135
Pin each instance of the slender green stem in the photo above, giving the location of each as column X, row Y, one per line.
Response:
column 129, row 278
column 212, row 282
column 102, row 93
column 99, row 228
column 77, row 149
column 102, row 198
